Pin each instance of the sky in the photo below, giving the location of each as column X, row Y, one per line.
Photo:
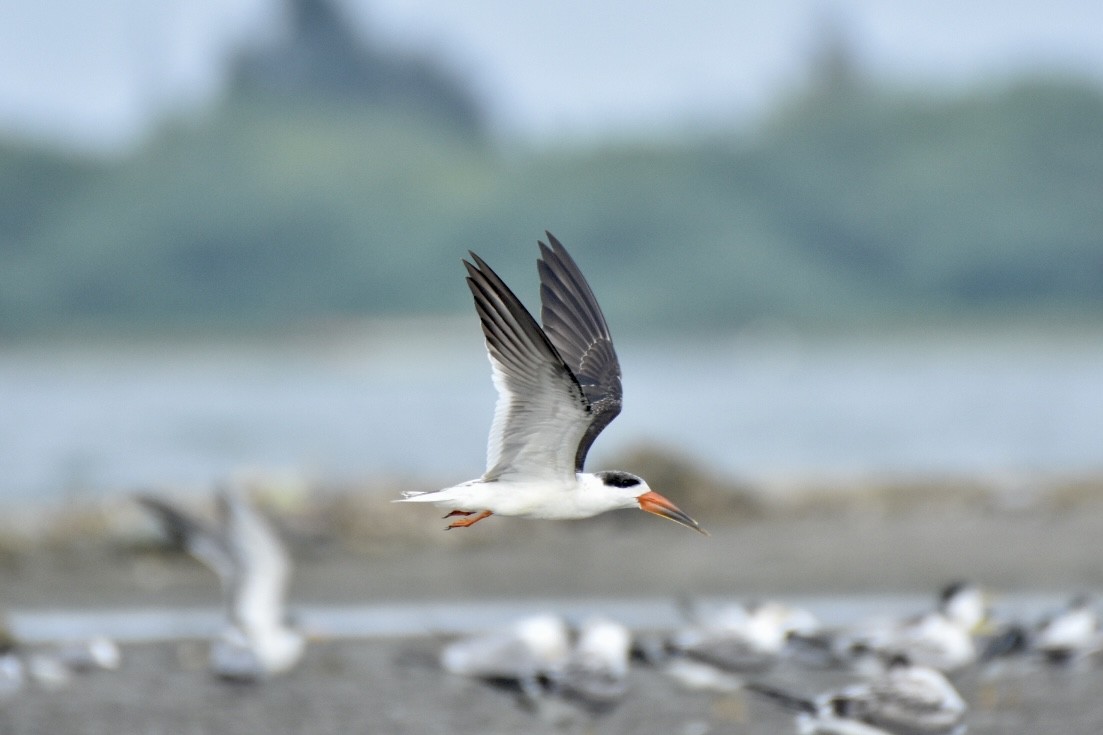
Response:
column 99, row 74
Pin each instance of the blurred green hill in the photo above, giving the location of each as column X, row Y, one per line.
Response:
column 303, row 199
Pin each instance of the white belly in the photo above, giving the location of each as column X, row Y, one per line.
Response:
column 532, row 499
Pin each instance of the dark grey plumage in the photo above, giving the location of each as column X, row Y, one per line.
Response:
column 188, row 533
column 574, row 323
column 903, row 700
column 574, row 341
column 530, row 365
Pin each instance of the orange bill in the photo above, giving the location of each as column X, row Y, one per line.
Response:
column 652, row 502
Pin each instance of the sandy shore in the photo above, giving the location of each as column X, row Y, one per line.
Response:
column 392, row 686
column 815, row 551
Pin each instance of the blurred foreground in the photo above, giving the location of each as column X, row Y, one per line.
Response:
column 393, row 686
column 360, row 549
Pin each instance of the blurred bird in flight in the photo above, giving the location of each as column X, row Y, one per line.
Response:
column 254, row 568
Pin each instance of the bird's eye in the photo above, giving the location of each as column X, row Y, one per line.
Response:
column 619, row 479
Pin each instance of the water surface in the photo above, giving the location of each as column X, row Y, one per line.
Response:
column 87, row 420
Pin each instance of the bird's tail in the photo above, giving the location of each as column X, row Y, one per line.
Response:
column 785, row 700
column 417, row 496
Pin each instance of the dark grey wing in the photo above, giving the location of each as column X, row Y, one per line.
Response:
column 730, row 654
column 576, row 327
column 199, row 539
column 541, row 414
column 784, row 699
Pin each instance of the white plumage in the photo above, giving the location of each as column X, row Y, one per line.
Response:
column 558, row 387
column 254, row 569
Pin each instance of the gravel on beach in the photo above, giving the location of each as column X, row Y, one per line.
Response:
column 394, row 685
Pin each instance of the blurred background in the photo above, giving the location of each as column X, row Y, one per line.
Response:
column 851, row 252
column 834, row 240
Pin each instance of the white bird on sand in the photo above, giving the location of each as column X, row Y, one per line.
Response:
column 558, row 388
column 536, row 655
column 254, row 568
column 98, row 653
column 942, row 638
column 526, row 654
column 945, row 637
column 721, row 643
column 12, row 674
column 51, row 667
column 596, row 671
column 48, row 671
column 904, row 700
column 1070, row 635
column 743, row 637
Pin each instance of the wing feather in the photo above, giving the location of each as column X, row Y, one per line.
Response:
column 542, row 412
column 575, row 325
column 914, row 700
column 261, row 562
column 204, row 543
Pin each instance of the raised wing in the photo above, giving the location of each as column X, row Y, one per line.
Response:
column 204, row 543
column 262, row 568
column 541, row 413
column 576, row 327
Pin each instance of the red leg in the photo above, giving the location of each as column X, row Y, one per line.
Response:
column 465, row 522
column 460, row 513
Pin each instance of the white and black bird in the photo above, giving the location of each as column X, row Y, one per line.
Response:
column 254, row 569
column 98, row 653
column 1069, row 635
column 905, row 699
column 527, row 654
column 722, row 644
column 547, row 662
column 51, row 667
column 12, row 672
column 596, row 672
column 558, row 387
column 942, row 638
column 743, row 637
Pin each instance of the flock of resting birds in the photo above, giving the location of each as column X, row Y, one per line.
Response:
column 559, row 386
column 901, row 666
